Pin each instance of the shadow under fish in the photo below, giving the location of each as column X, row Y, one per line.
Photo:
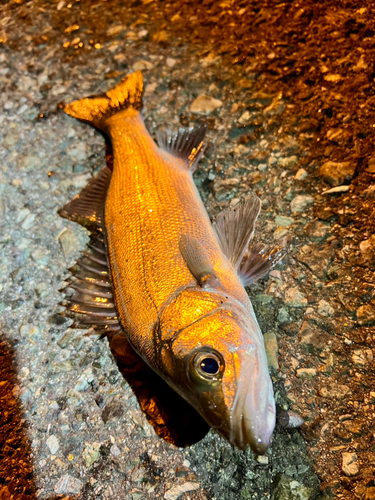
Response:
column 160, row 277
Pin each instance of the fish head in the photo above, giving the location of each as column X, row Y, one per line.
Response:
column 220, row 365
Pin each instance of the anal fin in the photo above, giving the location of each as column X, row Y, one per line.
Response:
column 90, row 301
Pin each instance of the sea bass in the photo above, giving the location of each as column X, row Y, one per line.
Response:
column 162, row 274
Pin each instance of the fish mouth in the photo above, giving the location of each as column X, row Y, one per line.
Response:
column 253, row 413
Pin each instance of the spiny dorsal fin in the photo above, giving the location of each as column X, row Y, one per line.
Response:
column 197, row 261
column 234, row 228
column 90, row 302
column 186, row 144
column 127, row 93
column 88, row 206
column 258, row 260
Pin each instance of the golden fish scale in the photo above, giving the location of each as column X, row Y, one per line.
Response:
column 151, row 202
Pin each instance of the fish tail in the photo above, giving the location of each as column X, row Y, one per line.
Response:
column 96, row 109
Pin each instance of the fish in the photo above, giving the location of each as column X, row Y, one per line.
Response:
column 161, row 273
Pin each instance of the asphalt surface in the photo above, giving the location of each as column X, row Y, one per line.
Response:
column 286, row 91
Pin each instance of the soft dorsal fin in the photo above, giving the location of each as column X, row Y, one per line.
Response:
column 88, row 206
column 197, row 261
column 234, row 228
column 186, row 144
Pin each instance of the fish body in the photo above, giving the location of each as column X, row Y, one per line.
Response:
column 174, row 277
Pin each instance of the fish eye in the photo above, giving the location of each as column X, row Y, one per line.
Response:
column 208, row 365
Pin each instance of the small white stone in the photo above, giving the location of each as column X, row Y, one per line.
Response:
column 301, row 174
column 301, row 202
column 205, row 104
column 53, row 444
column 68, row 484
column 262, row 459
column 294, row 298
column 150, row 87
column 142, row 65
column 171, row 62
column 350, row 464
column 115, row 451
column 244, row 117
column 325, row 308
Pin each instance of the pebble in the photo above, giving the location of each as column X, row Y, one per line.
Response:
column 366, row 315
column 115, row 451
column 171, row 62
column 289, row 419
column 113, row 410
column 287, row 488
column 28, row 222
column 142, row 65
column 294, row 298
column 317, row 261
column 362, row 357
column 78, row 151
column 337, row 190
column 27, row 162
column 317, row 231
column 301, row 175
column 179, row 489
column 371, row 165
column 11, row 139
column 336, row 173
column 336, row 391
column 68, row 484
column 53, row 444
column 367, row 248
column 70, row 243
column 270, row 342
column 283, row 316
column 84, row 381
column 223, row 187
column 262, row 459
column 91, row 453
column 282, row 221
column 205, row 104
column 350, row 465
column 325, row 308
column 306, row 373
column 301, row 202
column 30, row 331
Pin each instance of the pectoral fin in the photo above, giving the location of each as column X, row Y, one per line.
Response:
column 258, row 261
column 234, row 228
column 197, row 260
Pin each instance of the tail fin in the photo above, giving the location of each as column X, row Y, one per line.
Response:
column 94, row 110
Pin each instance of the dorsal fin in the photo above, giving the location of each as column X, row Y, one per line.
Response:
column 197, row 261
column 234, row 228
column 186, row 144
column 127, row 93
column 87, row 207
